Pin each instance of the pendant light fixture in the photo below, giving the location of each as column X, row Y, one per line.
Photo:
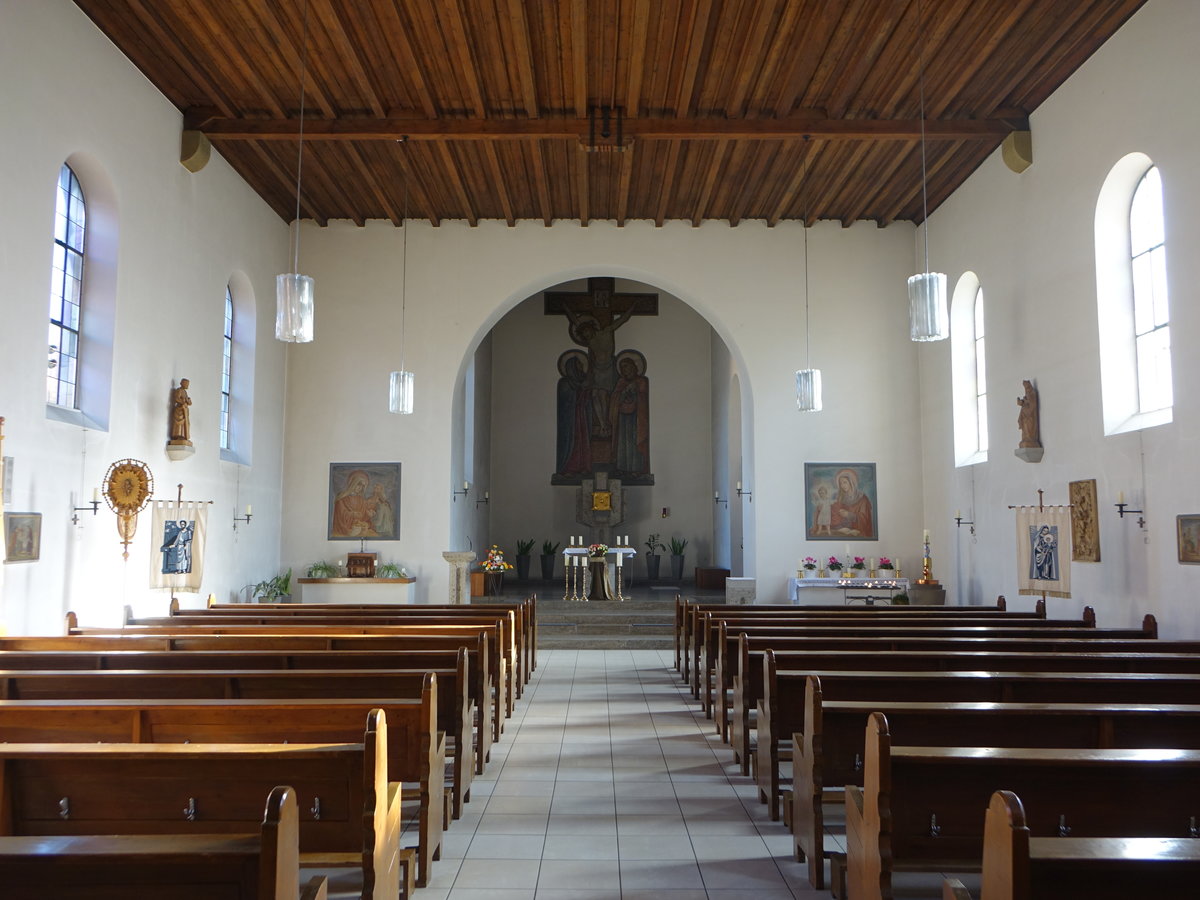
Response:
column 808, row 380
column 400, row 383
column 929, row 319
column 293, row 291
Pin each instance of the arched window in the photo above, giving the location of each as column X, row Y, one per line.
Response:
column 1132, row 298
column 226, row 368
column 968, row 360
column 66, row 291
column 1151, row 318
column 237, row 370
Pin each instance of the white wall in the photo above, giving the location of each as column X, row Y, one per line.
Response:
column 743, row 281
column 181, row 238
column 1029, row 238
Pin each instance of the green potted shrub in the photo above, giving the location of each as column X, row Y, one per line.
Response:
column 678, row 545
column 549, row 556
column 321, row 570
column 653, row 559
column 524, row 548
column 390, row 570
column 274, row 590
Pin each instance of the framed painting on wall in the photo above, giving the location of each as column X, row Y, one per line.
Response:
column 840, row 502
column 1085, row 526
column 1187, row 532
column 364, row 501
column 22, row 537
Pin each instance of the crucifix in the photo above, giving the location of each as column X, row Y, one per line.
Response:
column 593, row 319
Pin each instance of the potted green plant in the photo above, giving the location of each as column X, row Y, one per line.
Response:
column 390, row 570
column 524, row 548
column 549, row 556
column 274, row 590
column 321, row 570
column 652, row 558
column 678, row 545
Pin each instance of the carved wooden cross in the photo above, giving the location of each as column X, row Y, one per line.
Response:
column 601, row 301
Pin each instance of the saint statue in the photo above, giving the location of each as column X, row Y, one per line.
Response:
column 181, row 424
column 1027, row 418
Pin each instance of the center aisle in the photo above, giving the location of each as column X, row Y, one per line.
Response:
column 609, row 783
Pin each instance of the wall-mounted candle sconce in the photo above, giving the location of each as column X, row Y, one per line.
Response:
column 742, row 493
column 960, row 521
column 487, row 498
column 466, row 487
column 245, row 518
column 1123, row 508
column 717, row 499
column 94, row 506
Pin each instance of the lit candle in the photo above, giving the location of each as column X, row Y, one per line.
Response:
column 1120, row 496
column 95, row 495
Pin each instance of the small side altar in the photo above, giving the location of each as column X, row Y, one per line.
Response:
column 382, row 591
column 869, row 590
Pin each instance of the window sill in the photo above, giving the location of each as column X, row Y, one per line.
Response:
column 1141, row 421
column 69, row 416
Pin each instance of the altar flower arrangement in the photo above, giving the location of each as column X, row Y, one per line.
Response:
column 835, row 564
column 597, row 549
column 859, row 563
column 809, row 563
column 885, row 563
column 495, row 561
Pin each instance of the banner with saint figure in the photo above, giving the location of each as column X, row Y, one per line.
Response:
column 1044, row 550
column 180, row 529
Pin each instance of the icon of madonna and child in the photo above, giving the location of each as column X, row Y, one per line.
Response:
column 364, row 501
column 840, row 501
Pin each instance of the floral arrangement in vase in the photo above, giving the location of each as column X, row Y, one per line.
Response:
column 809, row 563
column 835, row 564
column 495, row 561
column 597, row 549
column 885, row 563
column 859, row 564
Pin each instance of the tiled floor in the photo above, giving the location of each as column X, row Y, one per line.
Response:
column 609, row 784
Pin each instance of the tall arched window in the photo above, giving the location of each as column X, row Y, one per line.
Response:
column 226, row 368
column 1151, row 318
column 968, row 361
column 1131, row 297
column 66, row 291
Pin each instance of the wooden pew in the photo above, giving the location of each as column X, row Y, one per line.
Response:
column 689, row 616
column 511, row 635
column 499, row 632
column 748, row 682
column 415, row 749
column 525, row 611
column 781, row 712
column 350, row 813
column 707, row 665
column 463, row 687
column 919, row 807
column 264, row 866
column 1019, row 867
column 828, row 755
column 300, row 638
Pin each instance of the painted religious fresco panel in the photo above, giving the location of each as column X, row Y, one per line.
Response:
column 364, row 501
column 840, row 502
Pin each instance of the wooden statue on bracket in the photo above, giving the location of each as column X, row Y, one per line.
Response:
column 128, row 486
column 1029, row 421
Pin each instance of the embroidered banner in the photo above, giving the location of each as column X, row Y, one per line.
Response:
column 180, row 530
column 1044, row 550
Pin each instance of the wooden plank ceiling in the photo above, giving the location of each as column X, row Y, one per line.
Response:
column 485, row 104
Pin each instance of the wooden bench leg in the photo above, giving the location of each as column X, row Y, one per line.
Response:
column 837, row 875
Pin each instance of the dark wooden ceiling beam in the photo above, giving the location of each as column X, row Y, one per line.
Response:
column 393, row 128
column 363, row 166
column 229, row 43
column 578, row 59
column 265, row 18
column 287, row 181
column 637, row 59
column 666, row 189
column 493, row 159
column 750, row 64
column 541, row 183
column 626, row 178
column 522, row 56
column 402, row 39
column 466, row 61
column 691, row 68
column 454, row 179
column 709, row 182
column 152, row 21
column 582, row 186
column 334, row 22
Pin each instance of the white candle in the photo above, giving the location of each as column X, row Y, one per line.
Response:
column 487, row 495
column 249, row 509
column 872, row 566
column 620, row 557
column 95, row 495
column 1120, row 496
column 926, row 536
column 739, row 485
column 958, row 514
column 847, row 551
column 716, row 495
column 466, row 485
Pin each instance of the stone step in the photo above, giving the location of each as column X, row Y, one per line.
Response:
column 656, row 628
column 602, row 642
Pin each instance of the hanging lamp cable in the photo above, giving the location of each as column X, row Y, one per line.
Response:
column 921, row 83
column 300, row 149
column 404, row 254
column 804, row 228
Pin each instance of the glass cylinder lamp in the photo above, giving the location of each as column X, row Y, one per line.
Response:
column 928, row 314
column 400, row 393
column 808, row 390
column 294, row 308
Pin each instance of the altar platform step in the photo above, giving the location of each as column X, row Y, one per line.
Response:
column 644, row 621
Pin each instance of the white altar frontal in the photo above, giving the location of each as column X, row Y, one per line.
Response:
column 866, row 591
column 357, row 591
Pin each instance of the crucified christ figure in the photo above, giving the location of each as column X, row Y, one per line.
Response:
column 600, row 342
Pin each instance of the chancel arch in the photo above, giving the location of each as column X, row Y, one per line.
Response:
column 599, row 391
